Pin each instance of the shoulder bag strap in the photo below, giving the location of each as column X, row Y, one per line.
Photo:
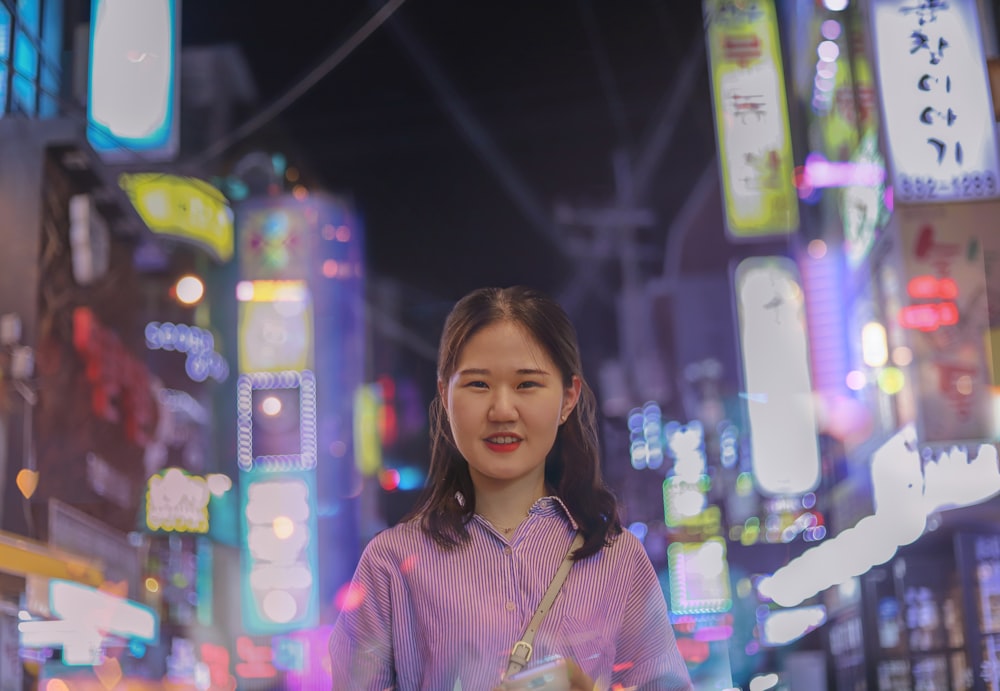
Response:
column 521, row 653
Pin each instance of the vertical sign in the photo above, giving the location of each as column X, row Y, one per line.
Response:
column 774, row 344
column 276, row 424
column 133, row 79
column 280, row 558
column 751, row 118
column 944, row 309
column 936, row 102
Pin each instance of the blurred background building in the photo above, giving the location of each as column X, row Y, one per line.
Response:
column 218, row 321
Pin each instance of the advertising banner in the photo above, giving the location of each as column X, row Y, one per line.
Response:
column 936, row 102
column 781, row 413
column 751, row 118
column 183, row 208
column 279, row 563
column 134, row 80
column 944, row 310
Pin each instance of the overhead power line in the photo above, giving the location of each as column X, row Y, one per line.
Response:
column 299, row 89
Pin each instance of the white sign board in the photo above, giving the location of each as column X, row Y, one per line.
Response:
column 936, row 102
column 774, row 345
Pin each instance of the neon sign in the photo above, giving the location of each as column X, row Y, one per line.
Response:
column 132, row 94
column 280, row 558
column 202, row 361
column 256, row 662
column 85, row 617
column 275, row 326
column 120, row 386
column 929, row 316
column 699, row 577
column 176, row 501
column 187, row 209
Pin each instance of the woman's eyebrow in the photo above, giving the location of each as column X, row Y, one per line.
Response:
column 480, row 371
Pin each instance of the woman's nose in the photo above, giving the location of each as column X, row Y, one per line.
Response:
column 502, row 408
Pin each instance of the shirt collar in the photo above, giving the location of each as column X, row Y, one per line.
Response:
column 546, row 506
column 553, row 506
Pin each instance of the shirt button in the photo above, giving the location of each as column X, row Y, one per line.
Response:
column 509, row 606
column 506, row 550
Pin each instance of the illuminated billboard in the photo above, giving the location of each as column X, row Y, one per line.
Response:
column 277, row 239
column 178, row 501
column 936, row 102
column 774, row 345
column 945, row 316
column 280, row 560
column 86, row 619
column 276, row 420
column 132, row 111
column 275, row 326
column 183, row 208
column 751, row 118
column 699, row 577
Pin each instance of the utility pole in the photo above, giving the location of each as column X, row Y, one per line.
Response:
column 614, row 230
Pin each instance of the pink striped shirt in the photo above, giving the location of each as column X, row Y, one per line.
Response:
column 423, row 617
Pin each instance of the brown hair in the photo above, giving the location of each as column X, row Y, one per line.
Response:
column 572, row 467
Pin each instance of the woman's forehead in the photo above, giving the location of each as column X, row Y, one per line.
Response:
column 503, row 344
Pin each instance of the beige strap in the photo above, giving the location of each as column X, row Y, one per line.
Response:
column 521, row 653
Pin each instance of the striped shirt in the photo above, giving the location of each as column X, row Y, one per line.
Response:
column 419, row 616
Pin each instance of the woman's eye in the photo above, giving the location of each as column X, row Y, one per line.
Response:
column 476, row 384
column 529, row 384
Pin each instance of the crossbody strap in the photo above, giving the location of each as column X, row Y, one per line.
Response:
column 521, row 653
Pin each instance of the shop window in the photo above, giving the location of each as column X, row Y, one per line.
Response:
column 4, row 57
column 28, row 15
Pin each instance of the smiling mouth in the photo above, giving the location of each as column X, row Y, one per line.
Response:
column 503, row 443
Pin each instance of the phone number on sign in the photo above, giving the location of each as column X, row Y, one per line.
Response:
column 967, row 185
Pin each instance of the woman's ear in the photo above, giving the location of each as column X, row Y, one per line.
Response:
column 570, row 398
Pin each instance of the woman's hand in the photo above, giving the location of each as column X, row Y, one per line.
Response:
column 578, row 679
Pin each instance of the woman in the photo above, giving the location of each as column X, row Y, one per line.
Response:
column 439, row 600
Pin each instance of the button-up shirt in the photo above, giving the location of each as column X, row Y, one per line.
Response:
column 421, row 616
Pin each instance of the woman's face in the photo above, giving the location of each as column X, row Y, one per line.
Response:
column 505, row 402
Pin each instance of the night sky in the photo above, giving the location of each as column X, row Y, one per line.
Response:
column 551, row 87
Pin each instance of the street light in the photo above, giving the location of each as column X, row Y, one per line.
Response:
column 189, row 290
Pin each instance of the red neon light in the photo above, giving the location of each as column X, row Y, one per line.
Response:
column 389, row 479
column 931, row 288
column 120, row 385
column 388, row 425
column 216, row 658
column 693, row 651
column 928, row 316
column 256, row 660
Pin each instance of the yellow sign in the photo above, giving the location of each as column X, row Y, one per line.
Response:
column 275, row 332
column 751, row 118
column 177, row 501
column 185, row 208
column 367, row 444
column 23, row 557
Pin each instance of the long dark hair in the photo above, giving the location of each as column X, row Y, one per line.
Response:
column 573, row 466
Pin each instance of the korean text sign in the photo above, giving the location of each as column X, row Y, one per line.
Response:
column 936, row 102
column 751, row 118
